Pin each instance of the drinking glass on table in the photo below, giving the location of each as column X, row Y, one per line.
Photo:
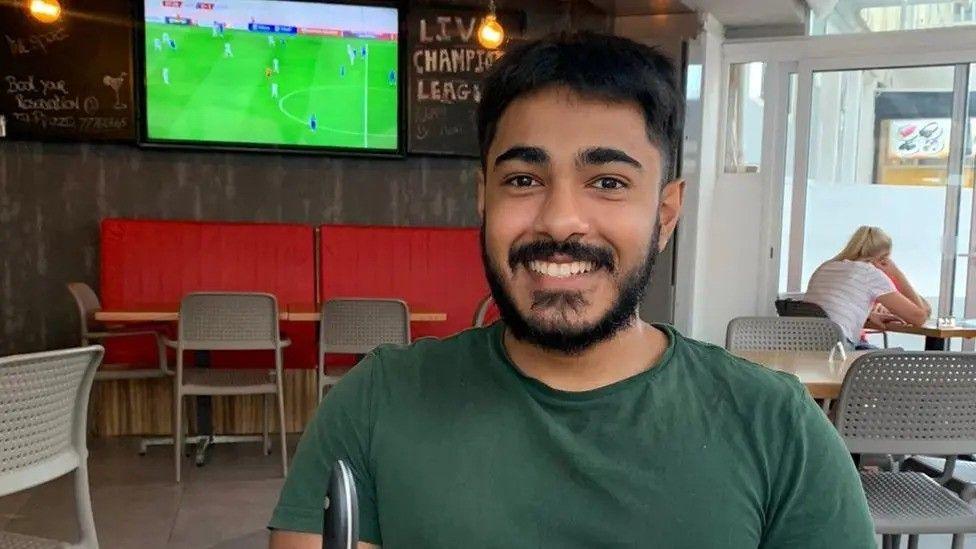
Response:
column 837, row 351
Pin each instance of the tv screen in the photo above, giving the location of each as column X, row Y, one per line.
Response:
column 268, row 73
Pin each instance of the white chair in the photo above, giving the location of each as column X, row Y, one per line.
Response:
column 357, row 326
column 904, row 403
column 771, row 333
column 92, row 330
column 43, row 416
column 229, row 321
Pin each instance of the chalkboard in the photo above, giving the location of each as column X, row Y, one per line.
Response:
column 71, row 79
column 446, row 66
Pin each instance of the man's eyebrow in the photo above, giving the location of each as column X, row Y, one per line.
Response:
column 532, row 155
column 605, row 155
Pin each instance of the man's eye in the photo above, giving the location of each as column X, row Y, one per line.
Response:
column 521, row 181
column 609, row 184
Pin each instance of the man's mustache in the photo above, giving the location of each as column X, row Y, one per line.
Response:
column 542, row 250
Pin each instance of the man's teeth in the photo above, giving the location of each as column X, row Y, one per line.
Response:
column 561, row 270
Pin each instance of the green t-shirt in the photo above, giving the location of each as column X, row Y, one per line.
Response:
column 452, row 446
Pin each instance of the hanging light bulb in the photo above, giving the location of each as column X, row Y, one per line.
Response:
column 45, row 11
column 490, row 33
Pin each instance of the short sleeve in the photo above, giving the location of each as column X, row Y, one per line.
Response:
column 816, row 499
column 340, row 429
column 878, row 283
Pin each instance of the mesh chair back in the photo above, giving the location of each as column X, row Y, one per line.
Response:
column 794, row 307
column 357, row 326
column 43, row 412
column 87, row 302
column 229, row 321
column 782, row 334
column 481, row 313
column 898, row 402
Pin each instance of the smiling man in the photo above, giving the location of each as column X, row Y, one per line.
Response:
column 571, row 423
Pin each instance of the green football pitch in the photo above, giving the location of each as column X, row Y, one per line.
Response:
column 213, row 96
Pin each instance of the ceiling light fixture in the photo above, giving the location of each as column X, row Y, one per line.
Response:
column 490, row 33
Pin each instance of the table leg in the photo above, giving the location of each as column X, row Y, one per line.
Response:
column 204, row 413
column 936, row 344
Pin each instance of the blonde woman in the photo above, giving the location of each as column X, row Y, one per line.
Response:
column 862, row 276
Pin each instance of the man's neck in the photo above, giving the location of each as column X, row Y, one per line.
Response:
column 627, row 353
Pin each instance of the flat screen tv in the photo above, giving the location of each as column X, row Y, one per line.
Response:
column 271, row 74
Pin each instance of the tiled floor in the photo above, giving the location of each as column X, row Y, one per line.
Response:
column 223, row 505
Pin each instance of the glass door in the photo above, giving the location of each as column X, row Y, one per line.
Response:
column 884, row 147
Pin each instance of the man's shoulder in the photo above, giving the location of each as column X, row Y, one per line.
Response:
column 427, row 349
column 736, row 377
column 426, row 357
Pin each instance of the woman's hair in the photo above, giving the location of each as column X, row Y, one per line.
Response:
column 866, row 243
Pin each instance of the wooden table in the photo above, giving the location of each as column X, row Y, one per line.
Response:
column 295, row 312
column 937, row 337
column 819, row 375
column 309, row 312
column 154, row 312
column 169, row 312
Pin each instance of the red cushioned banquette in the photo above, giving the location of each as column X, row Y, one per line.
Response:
column 151, row 262
column 431, row 268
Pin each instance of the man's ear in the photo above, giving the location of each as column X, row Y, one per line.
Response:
column 480, row 184
column 669, row 210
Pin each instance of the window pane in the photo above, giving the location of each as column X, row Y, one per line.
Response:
column 878, row 156
column 788, row 187
column 851, row 16
column 743, row 128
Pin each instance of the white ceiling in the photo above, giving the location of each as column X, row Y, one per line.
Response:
column 731, row 13
column 742, row 13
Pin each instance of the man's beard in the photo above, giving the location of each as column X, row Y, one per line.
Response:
column 565, row 338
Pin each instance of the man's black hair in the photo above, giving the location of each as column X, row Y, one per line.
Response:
column 593, row 65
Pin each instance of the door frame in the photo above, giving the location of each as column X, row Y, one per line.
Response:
column 804, row 56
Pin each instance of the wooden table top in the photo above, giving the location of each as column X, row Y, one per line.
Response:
column 169, row 312
column 150, row 312
column 965, row 328
column 309, row 312
column 818, row 374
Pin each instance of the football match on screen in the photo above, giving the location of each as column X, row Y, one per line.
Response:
column 260, row 72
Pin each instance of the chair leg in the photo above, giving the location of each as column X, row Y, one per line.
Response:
column 281, row 427
column 958, row 540
column 178, row 435
column 92, row 414
column 825, row 406
column 83, row 506
column 913, row 541
column 266, row 421
column 187, row 439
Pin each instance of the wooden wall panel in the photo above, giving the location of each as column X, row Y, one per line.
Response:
column 145, row 407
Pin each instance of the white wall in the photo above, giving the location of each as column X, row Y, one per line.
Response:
column 729, row 285
column 699, row 150
column 718, row 267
